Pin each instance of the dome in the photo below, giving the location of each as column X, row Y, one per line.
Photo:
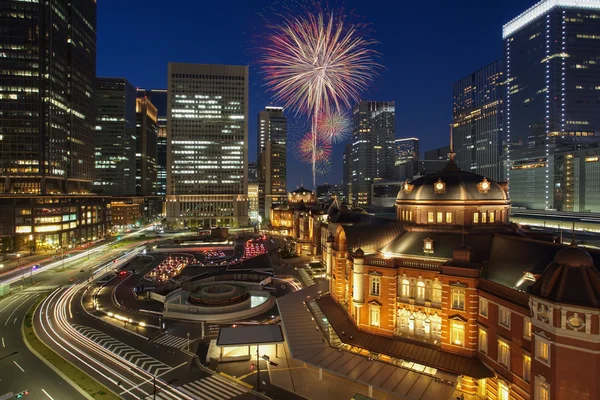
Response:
column 570, row 279
column 359, row 253
column 452, row 184
column 574, row 256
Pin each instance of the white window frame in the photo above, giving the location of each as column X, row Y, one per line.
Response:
column 504, row 311
column 374, row 310
column 375, row 283
column 541, row 385
column 501, row 386
column 458, row 292
column 455, row 327
column 527, row 328
column 483, row 306
column 436, row 292
column 482, row 340
column 504, row 359
column 540, row 342
column 405, row 288
column 420, row 289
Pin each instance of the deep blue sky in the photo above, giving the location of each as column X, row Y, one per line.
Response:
column 426, row 46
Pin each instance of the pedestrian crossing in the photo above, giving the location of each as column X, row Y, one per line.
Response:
column 171, row 341
column 121, row 350
column 40, row 288
column 214, row 387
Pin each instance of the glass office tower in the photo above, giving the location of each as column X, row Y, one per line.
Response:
column 552, row 66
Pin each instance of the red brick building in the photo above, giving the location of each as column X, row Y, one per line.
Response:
column 452, row 285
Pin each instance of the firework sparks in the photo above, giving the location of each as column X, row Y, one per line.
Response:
column 334, row 126
column 317, row 63
column 306, row 151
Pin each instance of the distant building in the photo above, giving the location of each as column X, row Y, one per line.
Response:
column 253, row 192
column 252, row 172
column 406, row 149
column 272, row 158
column 115, row 137
column 47, row 136
column 146, row 182
column 347, row 172
column 579, row 180
column 158, row 97
column 207, row 145
column 383, row 194
column 326, row 192
column 553, row 74
column 440, row 153
column 477, row 121
column 373, row 157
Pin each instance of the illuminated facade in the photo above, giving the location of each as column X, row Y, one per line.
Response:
column 579, row 179
column 158, row 97
column 372, row 154
column 115, row 137
column 406, row 150
column 47, row 135
column 272, row 158
column 146, row 183
column 455, row 289
column 477, row 121
column 552, row 70
column 207, row 145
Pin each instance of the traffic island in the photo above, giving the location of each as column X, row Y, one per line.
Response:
column 85, row 384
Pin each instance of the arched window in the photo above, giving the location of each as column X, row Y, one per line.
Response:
column 420, row 291
column 436, row 326
column 405, row 288
column 436, row 292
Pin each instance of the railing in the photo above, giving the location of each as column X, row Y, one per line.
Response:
column 419, row 264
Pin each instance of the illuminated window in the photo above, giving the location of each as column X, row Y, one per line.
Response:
column 448, row 217
column 504, row 317
column 542, row 388
column 375, row 313
column 458, row 298
column 527, row 328
column 476, row 218
column 436, row 292
column 430, row 217
column 457, row 333
column 503, row 391
column 526, row 368
column 483, row 217
column 421, row 290
column 492, row 217
column 483, row 307
column 375, row 286
column 410, row 215
column 504, row 353
column 428, row 245
column 440, row 217
column 542, row 350
column 482, row 340
column 405, row 288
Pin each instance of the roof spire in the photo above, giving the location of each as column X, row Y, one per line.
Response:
column 452, row 153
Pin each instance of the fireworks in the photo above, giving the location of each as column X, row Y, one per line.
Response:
column 317, row 63
column 306, row 148
column 334, row 126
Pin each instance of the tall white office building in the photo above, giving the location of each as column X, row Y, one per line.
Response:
column 207, row 147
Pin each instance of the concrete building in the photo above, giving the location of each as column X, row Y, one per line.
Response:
column 207, row 145
column 372, row 154
column 477, row 121
column 407, row 157
column 272, row 158
column 47, row 136
column 552, row 69
column 115, row 137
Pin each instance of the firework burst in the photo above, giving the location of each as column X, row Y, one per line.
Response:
column 334, row 126
column 306, row 151
column 317, row 63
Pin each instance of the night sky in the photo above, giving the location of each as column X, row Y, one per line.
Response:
column 425, row 47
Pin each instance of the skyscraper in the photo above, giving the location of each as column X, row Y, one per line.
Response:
column 115, row 137
column 146, row 150
column 477, row 122
column 158, row 97
column 207, row 145
column 407, row 158
column 373, row 157
column 552, row 66
column 46, row 124
column 272, row 158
